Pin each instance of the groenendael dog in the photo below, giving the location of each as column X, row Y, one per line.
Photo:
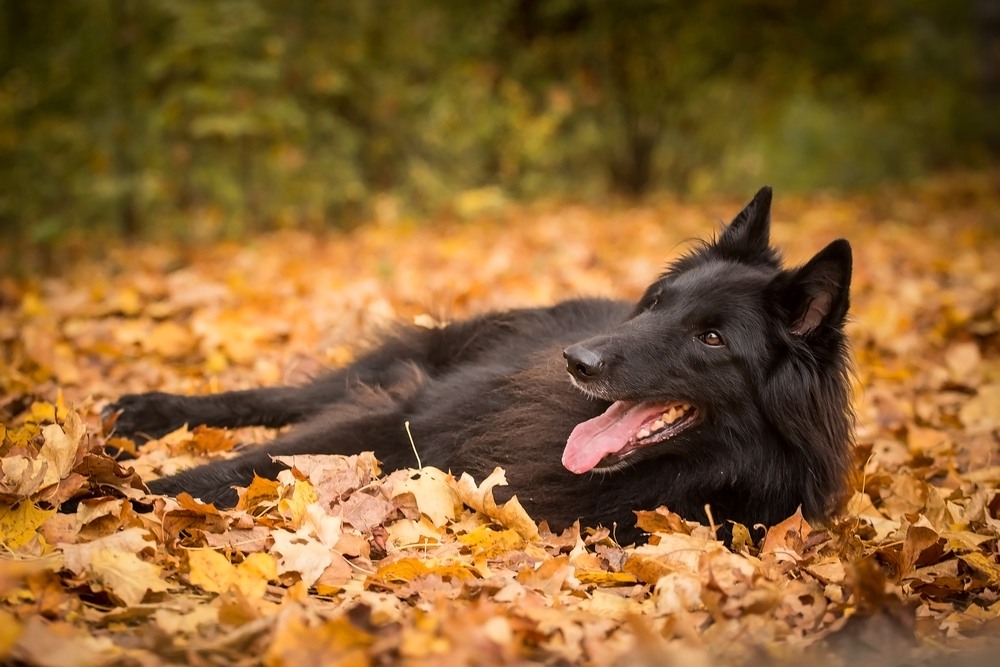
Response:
column 725, row 385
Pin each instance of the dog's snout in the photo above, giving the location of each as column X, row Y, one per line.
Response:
column 584, row 364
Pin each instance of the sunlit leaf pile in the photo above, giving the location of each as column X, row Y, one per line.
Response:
column 336, row 563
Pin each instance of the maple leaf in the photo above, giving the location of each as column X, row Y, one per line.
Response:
column 214, row 573
column 480, row 498
column 432, row 490
column 110, row 563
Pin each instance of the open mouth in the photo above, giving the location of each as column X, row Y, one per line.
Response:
column 623, row 429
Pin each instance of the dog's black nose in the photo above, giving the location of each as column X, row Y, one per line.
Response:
column 583, row 364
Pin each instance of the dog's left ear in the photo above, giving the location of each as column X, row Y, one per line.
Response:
column 748, row 237
column 818, row 294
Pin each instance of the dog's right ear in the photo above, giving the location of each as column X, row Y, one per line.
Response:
column 747, row 238
column 819, row 292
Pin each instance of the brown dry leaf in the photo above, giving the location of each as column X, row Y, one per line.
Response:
column 661, row 520
column 111, row 563
column 59, row 451
column 61, row 644
column 787, row 539
column 247, row 540
column 366, row 512
column 982, row 411
column 22, row 476
column 124, row 575
column 309, row 551
column 262, row 494
column 549, row 577
column 334, row 477
column 676, row 551
column 205, row 440
column 480, row 498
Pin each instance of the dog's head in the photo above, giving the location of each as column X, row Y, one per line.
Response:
column 720, row 339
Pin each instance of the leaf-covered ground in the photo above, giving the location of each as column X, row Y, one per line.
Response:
column 336, row 564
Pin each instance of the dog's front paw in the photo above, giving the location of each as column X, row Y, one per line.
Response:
column 142, row 417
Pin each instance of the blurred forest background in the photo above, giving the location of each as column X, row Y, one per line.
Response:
column 194, row 120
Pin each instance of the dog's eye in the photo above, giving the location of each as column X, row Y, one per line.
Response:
column 712, row 339
column 652, row 301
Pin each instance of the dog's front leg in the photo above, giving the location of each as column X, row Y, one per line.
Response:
column 143, row 417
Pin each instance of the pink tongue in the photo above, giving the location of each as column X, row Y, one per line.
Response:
column 605, row 434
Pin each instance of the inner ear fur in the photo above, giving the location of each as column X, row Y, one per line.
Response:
column 818, row 293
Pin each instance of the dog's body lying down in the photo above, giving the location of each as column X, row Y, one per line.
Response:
column 725, row 385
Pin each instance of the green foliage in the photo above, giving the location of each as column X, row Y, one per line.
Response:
column 199, row 119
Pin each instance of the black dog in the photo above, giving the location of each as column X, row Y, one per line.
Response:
column 726, row 385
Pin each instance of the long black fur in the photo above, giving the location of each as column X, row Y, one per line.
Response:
column 775, row 427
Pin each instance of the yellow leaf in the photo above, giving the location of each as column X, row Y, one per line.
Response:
column 20, row 524
column 10, row 631
column 169, row 340
column 608, row 605
column 22, row 435
column 258, row 566
column 125, row 575
column 984, row 565
column 210, row 570
column 213, row 572
column 488, row 543
column 261, row 492
column 338, row 641
column 42, row 411
column 742, row 541
column 296, row 499
column 408, row 569
column 602, row 578
column 127, row 300
column 60, row 448
column 435, row 497
column 480, row 498
column 76, row 557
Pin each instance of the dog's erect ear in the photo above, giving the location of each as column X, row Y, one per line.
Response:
column 818, row 293
column 747, row 238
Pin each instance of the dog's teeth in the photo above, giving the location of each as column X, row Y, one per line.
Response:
column 674, row 413
column 657, row 425
column 643, row 433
